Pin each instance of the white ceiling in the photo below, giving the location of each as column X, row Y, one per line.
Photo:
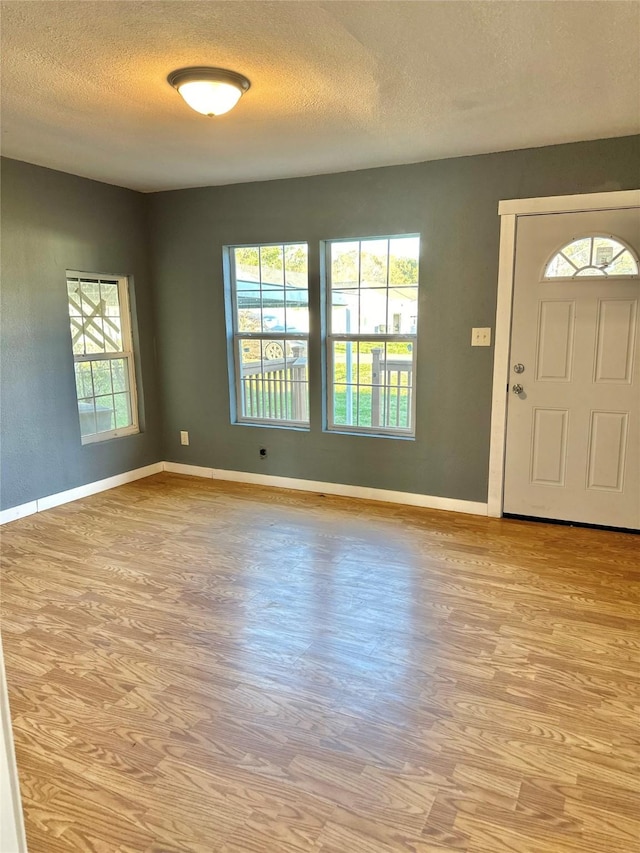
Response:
column 335, row 85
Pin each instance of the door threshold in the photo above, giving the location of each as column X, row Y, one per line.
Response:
column 564, row 523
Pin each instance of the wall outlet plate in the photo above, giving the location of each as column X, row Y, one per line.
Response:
column 184, row 437
column 481, row 337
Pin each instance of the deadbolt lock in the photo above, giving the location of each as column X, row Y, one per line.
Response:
column 518, row 368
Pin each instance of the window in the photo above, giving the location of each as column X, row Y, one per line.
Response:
column 270, row 315
column 103, row 355
column 593, row 257
column 372, row 312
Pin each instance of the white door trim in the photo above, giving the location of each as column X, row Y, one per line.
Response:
column 570, row 203
column 509, row 211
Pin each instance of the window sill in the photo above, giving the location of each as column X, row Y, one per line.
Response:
column 107, row 436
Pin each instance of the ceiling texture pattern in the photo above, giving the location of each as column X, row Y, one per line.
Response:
column 336, row 85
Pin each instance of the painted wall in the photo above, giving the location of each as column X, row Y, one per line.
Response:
column 453, row 205
column 52, row 222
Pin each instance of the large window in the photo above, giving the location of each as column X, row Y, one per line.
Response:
column 270, row 312
column 372, row 315
column 103, row 355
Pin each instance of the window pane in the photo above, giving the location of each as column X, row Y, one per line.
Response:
column 112, row 334
column 374, row 259
column 274, row 380
column 247, row 263
column 91, row 305
column 86, row 412
column 579, row 252
column 403, row 260
column 95, row 318
column 105, row 414
column 93, row 335
column 271, row 299
column 373, row 384
column 623, row 264
column 403, row 310
column 560, row 267
column 77, row 338
column 345, row 405
column 372, row 379
column 296, row 263
column 249, row 304
column 101, row 377
column 345, row 311
column 109, row 299
column 373, row 311
column 272, row 266
column 296, row 314
column 75, row 300
column 592, row 256
column 122, row 410
column 345, row 264
column 119, row 375
column 84, row 382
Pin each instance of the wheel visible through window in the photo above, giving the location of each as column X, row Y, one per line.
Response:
column 103, row 355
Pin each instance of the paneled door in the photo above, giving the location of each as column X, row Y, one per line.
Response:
column 573, row 414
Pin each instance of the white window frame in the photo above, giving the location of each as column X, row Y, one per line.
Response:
column 237, row 336
column 331, row 338
column 126, row 353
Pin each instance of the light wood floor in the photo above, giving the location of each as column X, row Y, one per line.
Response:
column 198, row 667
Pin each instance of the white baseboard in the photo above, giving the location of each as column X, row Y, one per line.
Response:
column 190, row 470
column 15, row 512
column 340, row 489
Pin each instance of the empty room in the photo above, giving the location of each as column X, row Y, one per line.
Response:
column 320, row 448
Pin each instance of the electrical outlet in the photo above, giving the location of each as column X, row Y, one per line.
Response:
column 184, row 437
column 481, row 337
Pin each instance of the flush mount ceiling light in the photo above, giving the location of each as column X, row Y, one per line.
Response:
column 210, row 91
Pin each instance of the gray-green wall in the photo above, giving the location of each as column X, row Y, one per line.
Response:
column 453, row 205
column 171, row 244
column 52, row 222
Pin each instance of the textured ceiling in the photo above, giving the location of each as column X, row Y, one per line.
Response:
column 335, row 85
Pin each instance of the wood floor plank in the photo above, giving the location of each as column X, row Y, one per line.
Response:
column 206, row 667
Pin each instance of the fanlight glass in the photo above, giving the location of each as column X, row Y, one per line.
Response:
column 592, row 257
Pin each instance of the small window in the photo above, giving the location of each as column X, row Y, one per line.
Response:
column 270, row 314
column 103, row 355
column 372, row 312
column 591, row 257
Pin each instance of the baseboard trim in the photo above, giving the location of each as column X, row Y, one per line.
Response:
column 48, row 502
column 339, row 489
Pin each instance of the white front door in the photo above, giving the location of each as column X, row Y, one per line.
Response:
column 573, row 416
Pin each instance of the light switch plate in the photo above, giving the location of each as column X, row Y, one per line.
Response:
column 481, row 337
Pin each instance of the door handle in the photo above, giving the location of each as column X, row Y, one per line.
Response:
column 517, row 388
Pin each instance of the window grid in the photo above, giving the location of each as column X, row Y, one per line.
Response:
column 379, row 398
column 270, row 359
column 103, row 356
column 592, row 256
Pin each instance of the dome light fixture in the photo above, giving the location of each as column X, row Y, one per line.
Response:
column 210, row 91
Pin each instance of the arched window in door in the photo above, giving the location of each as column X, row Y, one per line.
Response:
column 593, row 256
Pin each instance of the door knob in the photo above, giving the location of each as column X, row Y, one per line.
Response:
column 517, row 389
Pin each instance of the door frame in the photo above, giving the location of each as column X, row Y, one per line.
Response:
column 509, row 212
